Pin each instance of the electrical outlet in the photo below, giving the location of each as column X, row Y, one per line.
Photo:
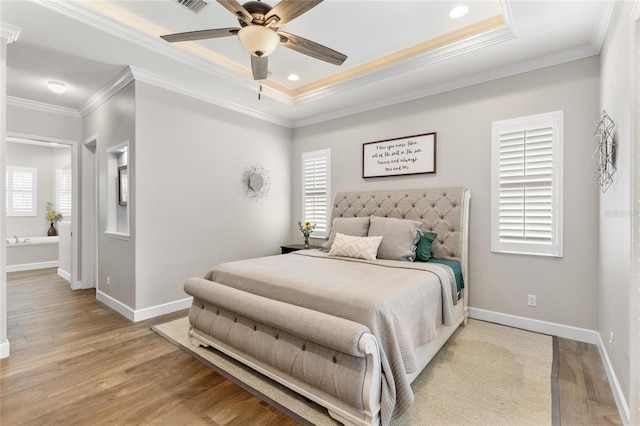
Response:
column 531, row 300
column 108, row 280
column 611, row 340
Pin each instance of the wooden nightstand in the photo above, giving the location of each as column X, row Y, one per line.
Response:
column 295, row 247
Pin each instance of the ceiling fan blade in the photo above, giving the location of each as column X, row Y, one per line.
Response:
column 200, row 35
column 238, row 10
column 288, row 10
column 259, row 67
column 311, row 48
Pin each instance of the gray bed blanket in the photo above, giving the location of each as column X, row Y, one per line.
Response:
column 402, row 303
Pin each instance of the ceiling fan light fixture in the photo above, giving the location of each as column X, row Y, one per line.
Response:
column 56, row 86
column 258, row 40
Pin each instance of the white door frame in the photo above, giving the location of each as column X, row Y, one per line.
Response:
column 634, row 284
column 90, row 212
column 18, row 137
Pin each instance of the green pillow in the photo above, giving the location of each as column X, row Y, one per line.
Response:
column 423, row 250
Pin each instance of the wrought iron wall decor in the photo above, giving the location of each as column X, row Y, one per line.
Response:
column 605, row 152
column 256, row 182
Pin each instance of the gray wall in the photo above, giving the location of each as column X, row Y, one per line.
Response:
column 40, row 123
column 616, row 280
column 565, row 287
column 191, row 211
column 114, row 123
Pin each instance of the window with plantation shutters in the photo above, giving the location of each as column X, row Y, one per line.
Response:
column 316, row 172
column 63, row 192
column 527, row 185
column 21, row 191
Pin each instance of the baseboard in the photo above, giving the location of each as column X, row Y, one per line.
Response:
column 64, row 274
column 146, row 313
column 618, row 395
column 32, row 266
column 165, row 308
column 116, row 305
column 544, row 327
column 4, row 349
column 567, row 332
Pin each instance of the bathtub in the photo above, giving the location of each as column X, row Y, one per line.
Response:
column 32, row 253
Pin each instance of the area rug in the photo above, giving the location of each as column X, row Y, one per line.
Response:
column 486, row 374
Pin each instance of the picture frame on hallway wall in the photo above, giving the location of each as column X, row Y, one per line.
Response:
column 408, row 155
column 123, row 186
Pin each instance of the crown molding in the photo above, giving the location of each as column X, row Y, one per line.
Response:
column 9, row 32
column 507, row 14
column 41, row 106
column 132, row 73
column 110, row 89
column 483, row 77
column 451, row 51
column 177, row 87
column 38, row 140
column 599, row 35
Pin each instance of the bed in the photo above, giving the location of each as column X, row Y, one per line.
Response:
column 350, row 334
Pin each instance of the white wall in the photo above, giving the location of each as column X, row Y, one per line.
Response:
column 615, row 278
column 46, row 160
column 565, row 288
column 191, row 211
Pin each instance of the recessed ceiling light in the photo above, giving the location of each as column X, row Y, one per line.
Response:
column 458, row 11
column 57, row 87
column 293, row 77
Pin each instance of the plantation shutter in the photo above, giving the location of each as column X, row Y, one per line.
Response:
column 527, row 185
column 21, row 184
column 63, row 191
column 315, row 190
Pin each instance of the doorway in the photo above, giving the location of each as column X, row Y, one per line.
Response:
column 43, row 179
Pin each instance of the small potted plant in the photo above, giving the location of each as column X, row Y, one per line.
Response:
column 306, row 228
column 52, row 217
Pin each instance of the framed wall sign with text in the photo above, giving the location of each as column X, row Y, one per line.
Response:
column 409, row 155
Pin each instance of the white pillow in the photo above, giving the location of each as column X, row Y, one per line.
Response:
column 356, row 247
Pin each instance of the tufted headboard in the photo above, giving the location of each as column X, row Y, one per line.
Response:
column 444, row 211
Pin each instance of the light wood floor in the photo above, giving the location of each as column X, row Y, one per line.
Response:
column 76, row 362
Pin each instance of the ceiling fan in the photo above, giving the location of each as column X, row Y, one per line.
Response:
column 259, row 32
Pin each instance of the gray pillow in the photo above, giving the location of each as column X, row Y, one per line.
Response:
column 399, row 237
column 354, row 226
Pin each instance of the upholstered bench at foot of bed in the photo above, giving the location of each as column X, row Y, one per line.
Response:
column 320, row 351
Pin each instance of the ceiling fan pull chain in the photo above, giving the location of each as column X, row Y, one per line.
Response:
column 260, row 92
